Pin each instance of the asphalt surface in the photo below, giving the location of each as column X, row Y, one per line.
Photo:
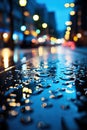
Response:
column 43, row 88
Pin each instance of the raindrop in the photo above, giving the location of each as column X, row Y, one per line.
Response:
column 26, row 120
column 68, row 73
column 62, row 89
column 67, row 78
column 56, row 96
column 13, row 113
column 44, row 84
column 43, row 99
column 53, row 92
column 47, row 105
column 56, row 81
column 42, row 74
column 26, row 109
column 43, row 125
column 65, row 107
column 70, row 90
column 37, row 91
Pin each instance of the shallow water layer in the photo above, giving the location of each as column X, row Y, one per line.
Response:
column 48, row 91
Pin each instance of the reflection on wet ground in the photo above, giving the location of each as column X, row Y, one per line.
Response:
column 46, row 89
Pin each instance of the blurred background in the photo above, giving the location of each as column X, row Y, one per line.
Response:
column 30, row 23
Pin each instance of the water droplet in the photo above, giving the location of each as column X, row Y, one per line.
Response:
column 37, row 91
column 13, row 113
column 56, row 96
column 26, row 120
column 68, row 73
column 43, row 99
column 53, row 91
column 66, row 83
column 67, row 78
column 65, row 107
column 63, row 89
column 47, row 105
column 44, row 84
column 42, row 74
column 60, row 89
column 56, row 81
column 43, row 125
column 26, row 109
column 70, row 90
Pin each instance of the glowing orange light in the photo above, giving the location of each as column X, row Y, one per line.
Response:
column 26, row 13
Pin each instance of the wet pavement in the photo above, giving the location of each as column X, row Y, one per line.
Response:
column 43, row 89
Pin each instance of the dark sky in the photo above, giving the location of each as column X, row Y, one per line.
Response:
column 62, row 13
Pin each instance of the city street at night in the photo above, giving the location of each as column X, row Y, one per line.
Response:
column 43, row 65
column 43, row 88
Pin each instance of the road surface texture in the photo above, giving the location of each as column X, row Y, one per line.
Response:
column 43, row 89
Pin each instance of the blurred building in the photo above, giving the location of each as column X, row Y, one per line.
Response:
column 17, row 24
column 12, row 17
column 46, row 17
column 42, row 12
column 52, row 24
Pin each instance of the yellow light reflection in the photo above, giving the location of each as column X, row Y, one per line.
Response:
column 75, row 38
column 5, row 37
column 27, row 90
column 40, row 51
column 12, row 104
column 6, row 53
column 53, row 50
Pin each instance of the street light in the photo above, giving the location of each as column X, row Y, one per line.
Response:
column 67, row 5
column 35, row 17
column 68, row 23
column 72, row 13
column 23, row 3
column 44, row 25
